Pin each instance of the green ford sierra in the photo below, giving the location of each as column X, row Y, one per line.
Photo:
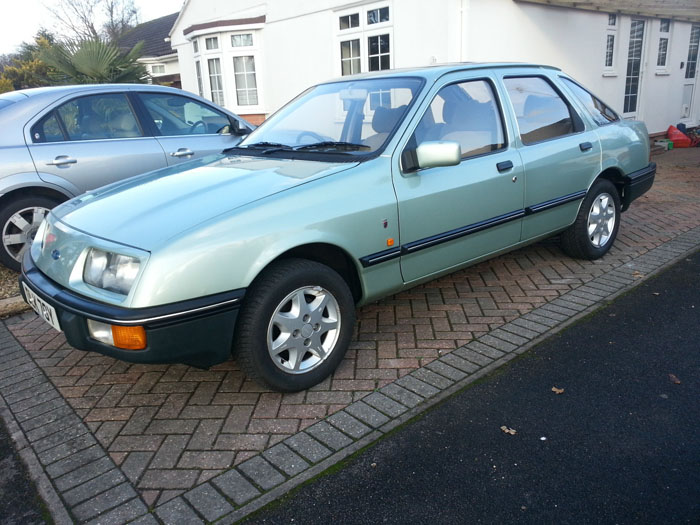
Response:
column 358, row 188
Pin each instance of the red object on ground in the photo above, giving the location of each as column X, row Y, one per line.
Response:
column 679, row 139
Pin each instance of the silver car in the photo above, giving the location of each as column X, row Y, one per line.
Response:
column 58, row 142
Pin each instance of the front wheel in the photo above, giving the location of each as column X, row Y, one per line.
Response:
column 594, row 231
column 20, row 219
column 295, row 325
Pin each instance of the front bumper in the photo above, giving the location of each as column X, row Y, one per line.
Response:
column 637, row 184
column 197, row 332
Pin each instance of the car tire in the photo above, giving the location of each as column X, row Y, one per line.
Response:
column 19, row 221
column 295, row 325
column 595, row 229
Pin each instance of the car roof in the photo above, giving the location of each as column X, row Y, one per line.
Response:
column 435, row 71
column 77, row 88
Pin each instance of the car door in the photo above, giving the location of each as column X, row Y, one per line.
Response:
column 92, row 140
column 560, row 157
column 187, row 128
column 454, row 214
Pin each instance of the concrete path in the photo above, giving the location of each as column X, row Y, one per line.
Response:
column 114, row 441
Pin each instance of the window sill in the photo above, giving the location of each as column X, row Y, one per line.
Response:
column 662, row 73
column 609, row 74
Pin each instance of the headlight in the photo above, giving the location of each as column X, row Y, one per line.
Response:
column 110, row 271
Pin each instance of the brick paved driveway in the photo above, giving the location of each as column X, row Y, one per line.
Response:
column 171, row 428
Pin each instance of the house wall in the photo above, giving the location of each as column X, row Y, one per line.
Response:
column 299, row 45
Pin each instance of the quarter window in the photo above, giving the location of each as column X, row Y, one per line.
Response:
column 540, row 111
column 246, row 85
column 601, row 113
column 48, row 130
column 466, row 113
column 350, row 57
column 379, row 53
column 215, row 83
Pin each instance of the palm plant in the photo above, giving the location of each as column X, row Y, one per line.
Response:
column 93, row 61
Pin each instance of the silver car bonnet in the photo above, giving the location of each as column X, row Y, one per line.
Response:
column 147, row 210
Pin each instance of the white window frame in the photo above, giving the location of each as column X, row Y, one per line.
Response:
column 611, row 31
column 663, row 69
column 153, row 69
column 362, row 33
column 216, row 40
column 242, row 33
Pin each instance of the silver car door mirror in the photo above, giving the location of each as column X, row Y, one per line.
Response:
column 438, row 153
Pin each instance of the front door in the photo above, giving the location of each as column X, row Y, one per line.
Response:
column 451, row 215
column 634, row 71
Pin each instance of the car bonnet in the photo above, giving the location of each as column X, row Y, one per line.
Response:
column 147, row 210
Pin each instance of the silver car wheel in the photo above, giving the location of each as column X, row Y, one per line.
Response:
column 601, row 220
column 304, row 329
column 19, row 230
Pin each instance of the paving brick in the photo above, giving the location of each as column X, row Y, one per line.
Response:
column 241, row 442
column 135, row 464
column 329, row 435
column 208, row 502
column 169, row 452
column 125, row 513
column 486, row 347
column 473, row 356
column 168, row 479
column 83, row 474
column 285, row 460
column 499, row 343
column 235, row 487
column 520, row 330
column 510, row 337
column 50, row 427
column 95, row 486
column 385, row 404
column 66, row 448
column 104, row 501
column 440, row 367
column 402, row 395
column 367, row 414
column 129, row 443
column 416, row 386
column 459, row 363
column 308, row 447
column 171, row 426
column 348, row 424
column 177, row 512
column 206, row 460
column 238, row 419
column 29, row 392
column 75, row 461
column 432, row 378
column 261, row 473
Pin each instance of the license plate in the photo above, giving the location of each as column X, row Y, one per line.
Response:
column 42, row 308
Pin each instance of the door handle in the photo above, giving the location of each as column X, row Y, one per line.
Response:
column 62, row 160
column 182, row 152
column 585, row 146
column 504, row 166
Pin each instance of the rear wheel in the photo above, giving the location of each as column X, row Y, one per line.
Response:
column 596, row 225
column 20, row 219
column 295, row 325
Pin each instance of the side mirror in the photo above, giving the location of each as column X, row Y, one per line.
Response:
column 433, row 154
column 238, row 128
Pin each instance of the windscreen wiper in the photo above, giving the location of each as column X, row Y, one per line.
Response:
column 266, row 147
column 331, row 144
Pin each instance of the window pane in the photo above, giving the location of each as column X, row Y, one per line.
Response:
column 378, row 52
column 349, row 21
column 176, row 115
column 99, row 117
column 195, row 46
column 199, row 78
column 376, row 16
column 215, row 82
column 540, row 111
column 246, row 83
column 244, row 40
column 158, row 69
column 612, row 20
column 609, row 50
column 466, row 113
column 693, row 52
column 634, row 61
column 663, row 48
column 350, row 57
column 664, row 25
column 601, row 113
column 48, row 130
column 212, row 43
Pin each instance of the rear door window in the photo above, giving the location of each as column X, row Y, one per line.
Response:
column 106, row 116
column 540, row 111
column 601, row 113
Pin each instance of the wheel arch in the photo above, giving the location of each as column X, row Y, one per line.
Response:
column 33, row 191
column 332, row 256
column 616, row 177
